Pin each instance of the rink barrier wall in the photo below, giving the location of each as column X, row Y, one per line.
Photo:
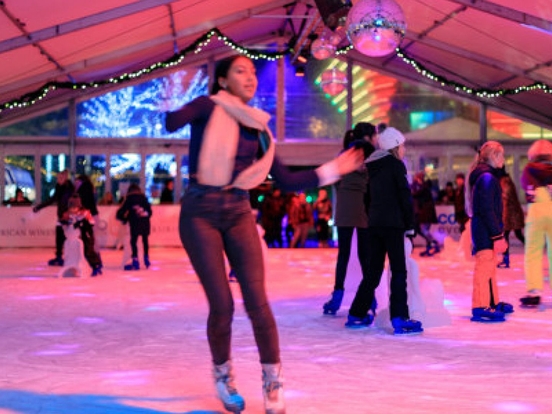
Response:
column 20, row 227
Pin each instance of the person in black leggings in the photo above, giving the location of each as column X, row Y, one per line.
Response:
column 350, row 214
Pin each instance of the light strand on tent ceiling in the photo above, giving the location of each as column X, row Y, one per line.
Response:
column 479, row 92
column 31, row 98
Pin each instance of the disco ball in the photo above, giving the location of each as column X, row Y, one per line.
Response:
column 376, row 27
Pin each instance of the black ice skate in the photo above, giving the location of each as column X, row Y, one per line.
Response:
column 530, row 301
column 332, row 306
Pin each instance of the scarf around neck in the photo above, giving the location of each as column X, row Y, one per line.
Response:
column 220, row 144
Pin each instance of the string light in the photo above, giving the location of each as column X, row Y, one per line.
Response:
column 199, row 44
column 479, row 92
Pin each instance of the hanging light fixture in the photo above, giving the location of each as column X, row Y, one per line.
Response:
column 333, row 81
column 325, row 45
column 322, row 49
column 376, row 27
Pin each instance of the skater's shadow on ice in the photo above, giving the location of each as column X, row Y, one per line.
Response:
column 25, row 402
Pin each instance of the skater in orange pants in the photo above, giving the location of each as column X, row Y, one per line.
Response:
column 485, row 205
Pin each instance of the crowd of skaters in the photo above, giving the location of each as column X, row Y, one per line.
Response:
column 216, row 222
column 76, row 215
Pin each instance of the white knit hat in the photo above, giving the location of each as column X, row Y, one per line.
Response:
column 390, row 138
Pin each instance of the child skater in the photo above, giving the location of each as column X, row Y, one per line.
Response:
column 391, row 217
column 77, row 225
column 232, row 151
column 484, row 202
column 136, row 210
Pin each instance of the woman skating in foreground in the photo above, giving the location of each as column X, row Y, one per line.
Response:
column 231, row 151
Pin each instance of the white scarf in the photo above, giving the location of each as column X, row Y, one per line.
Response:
column 220, row 144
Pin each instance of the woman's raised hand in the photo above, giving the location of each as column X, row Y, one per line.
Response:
column 350, row 160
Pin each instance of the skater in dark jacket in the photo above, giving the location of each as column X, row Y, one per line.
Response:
column 424, row 212
column 232, row 151
column 85, row 190
column 485, row 205
column 350, row 213
column 390, row 218
column 460, row 202
column 513, row 217
column 63, row 191
column 136, row 210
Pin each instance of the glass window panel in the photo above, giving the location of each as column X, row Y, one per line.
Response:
column 462, row 164
column 160, row 168
column 185, row 173
column 515, row 128
column 309, row 112
column 50, row 124
column 51, row 164
column 125, row 170
column 266, row 98
column 19, row 173
column 94, row 167
column 434, row 167
column 137, row 111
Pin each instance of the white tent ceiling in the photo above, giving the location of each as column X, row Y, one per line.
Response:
column 496, row 45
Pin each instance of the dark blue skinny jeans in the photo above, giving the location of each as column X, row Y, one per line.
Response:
column 213, row 222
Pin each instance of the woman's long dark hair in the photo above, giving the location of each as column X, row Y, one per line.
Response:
column 221, row 71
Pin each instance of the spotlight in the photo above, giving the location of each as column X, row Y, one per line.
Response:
column 300, row 71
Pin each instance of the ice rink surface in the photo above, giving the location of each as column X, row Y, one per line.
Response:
column 134, row 342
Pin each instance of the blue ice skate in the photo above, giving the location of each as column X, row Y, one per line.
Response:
column 488, row 315
column 504, row 307
column 355, row 322
column 332, row 306
column 135, row 265
column 405, row 326
column 97, row 270
column 226, row 390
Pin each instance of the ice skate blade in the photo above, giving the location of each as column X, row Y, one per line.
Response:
column 541, row 307
column 357, row 327
column 407, row 333
column 329, row 312
column 486, row 320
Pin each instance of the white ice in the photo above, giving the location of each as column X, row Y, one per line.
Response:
column 134, row 342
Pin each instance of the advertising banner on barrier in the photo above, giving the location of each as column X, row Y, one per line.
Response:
column 20, row 227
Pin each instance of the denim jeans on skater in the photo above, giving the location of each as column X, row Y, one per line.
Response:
column 213, row 221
